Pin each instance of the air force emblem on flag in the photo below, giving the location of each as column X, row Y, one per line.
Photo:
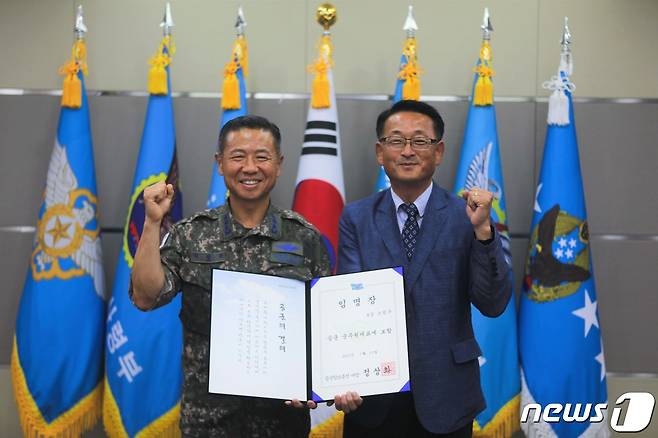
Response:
column 559, row 256
column 67, row 243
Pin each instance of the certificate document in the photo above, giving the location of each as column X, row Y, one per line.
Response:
column 279, row 338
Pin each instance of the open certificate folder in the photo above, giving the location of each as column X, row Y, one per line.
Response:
column 285, row 339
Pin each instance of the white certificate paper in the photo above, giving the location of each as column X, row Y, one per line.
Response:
column 285, row 339
column 257, row 336
column 359, row 335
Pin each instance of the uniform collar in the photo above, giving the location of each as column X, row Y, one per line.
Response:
column 269, row 227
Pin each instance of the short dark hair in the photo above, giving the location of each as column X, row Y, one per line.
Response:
column 249, row 122
column 412, row 106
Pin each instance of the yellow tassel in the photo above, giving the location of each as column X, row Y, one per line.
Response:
column 320, row 90
column 320, row 87
column 231, row 87
column 411, row 87
column 157, row 78
column 410, row 72
column 72, row 86
column 483, row 93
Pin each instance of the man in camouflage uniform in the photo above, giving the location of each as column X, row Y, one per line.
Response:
column 247, row 234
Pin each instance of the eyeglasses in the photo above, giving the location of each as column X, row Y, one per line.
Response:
column 418, row 143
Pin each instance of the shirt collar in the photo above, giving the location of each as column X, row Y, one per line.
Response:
column 269, row 227
column 420, row 202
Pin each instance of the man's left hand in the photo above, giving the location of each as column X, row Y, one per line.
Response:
column 478, row 209
column 348, row 402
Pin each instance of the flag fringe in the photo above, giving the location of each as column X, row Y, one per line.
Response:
column 332, row 427
column 72, row 86
column 81, row 418
column 483, row 92
column 157, row 77
column 111, row 416
column 503, row 425
column 165, row 426
column 410, row 72
column 320, row 88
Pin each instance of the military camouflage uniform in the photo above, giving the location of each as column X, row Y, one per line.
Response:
column 285, row 245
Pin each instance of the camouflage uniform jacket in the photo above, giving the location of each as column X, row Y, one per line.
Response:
column 283, row 244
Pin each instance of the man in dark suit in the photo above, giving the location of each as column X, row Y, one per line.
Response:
column 452, row 258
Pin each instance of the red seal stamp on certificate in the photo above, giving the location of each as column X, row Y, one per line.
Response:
column 388, row 368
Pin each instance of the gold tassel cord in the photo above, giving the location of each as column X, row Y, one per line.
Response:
column 157, row 78
column 72, row 86
column 320, row 90
column 483, row 93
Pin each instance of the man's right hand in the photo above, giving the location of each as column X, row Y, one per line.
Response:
column 157, row 201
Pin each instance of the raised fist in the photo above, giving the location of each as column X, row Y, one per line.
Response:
column 157, row 200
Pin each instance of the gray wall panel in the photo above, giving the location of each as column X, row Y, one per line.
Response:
column 519, row 254
column 116, row 124
column 28, row 126
column 516, row 137
column 197, row 126
column 625, row 273
column 111, row 243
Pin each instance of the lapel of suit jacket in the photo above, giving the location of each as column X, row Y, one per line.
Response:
column 433, row 219
column 387, row 226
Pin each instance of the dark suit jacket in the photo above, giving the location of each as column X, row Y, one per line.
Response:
column 450, row 270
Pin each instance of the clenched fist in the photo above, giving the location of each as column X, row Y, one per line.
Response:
column 158, row 199
column 478, row 210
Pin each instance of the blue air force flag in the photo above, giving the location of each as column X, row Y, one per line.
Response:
column 480, row 166
column 559, row 333
column 143, row 349
column 57, row 357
